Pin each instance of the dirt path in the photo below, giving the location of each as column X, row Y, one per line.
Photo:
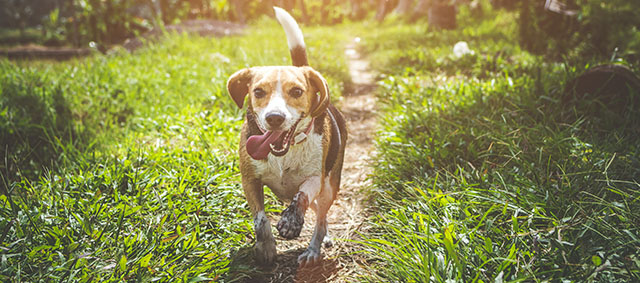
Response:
column 346, row 216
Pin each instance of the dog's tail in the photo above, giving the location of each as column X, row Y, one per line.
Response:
column 294, row 37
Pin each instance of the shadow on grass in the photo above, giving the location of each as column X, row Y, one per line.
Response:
column 607, row 98
column 243, row 268
column 36, row 127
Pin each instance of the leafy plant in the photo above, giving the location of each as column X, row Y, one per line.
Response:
column 481, row 174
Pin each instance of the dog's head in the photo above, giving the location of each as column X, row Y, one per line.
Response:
column 280, row 98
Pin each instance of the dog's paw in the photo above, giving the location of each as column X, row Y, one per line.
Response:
column 291, row 222
column 327, row 241
column 265, row 252
column 309, row 257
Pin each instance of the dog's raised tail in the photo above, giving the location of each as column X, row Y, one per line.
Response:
column 295, row 40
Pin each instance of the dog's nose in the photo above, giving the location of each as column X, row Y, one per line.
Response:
column 275, row 119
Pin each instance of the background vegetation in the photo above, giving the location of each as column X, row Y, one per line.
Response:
column 596, row 27
column 117, row 167
column 123, row 166
column 487, row 171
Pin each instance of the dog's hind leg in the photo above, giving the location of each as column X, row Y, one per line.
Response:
column 323, row 202
column 292, row 218
column 328, row 239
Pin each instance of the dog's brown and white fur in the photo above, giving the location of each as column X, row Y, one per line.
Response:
column 304, row 166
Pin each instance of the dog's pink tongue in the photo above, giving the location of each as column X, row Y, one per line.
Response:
column 258, row 146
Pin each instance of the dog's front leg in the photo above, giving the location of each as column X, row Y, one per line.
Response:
column 265, row 248
column 292, row 218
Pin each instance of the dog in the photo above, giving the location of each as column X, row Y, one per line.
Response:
column 293, row 141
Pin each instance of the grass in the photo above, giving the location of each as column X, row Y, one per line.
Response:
column 12, row 37
column 123, row 167
column 486, row 172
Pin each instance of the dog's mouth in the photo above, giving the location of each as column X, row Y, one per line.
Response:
column 276, row 142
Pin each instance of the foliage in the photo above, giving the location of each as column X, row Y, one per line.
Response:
column 431, row 51
column 53, row 28
column 18, row 12
column 80, row 22
column 612, row 25
column 140, row 181
column 599, row 28
column 486, row 173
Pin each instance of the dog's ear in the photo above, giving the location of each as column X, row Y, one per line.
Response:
column 238, row 85
column 319, row 83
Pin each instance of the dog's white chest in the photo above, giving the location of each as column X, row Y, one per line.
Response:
column 284, row 175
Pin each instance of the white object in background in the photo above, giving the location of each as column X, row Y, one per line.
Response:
column 560, row 7
column 461, row 48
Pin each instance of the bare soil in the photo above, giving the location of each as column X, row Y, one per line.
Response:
column 33, row 51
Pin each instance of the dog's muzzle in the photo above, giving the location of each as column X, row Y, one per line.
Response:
column 274, row 142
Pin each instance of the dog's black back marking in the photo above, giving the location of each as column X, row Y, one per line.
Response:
column 338, row 137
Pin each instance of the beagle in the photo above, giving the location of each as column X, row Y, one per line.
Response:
column 293, row 141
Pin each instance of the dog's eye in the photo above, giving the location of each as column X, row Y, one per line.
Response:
column 296, row 92
column 259, row 93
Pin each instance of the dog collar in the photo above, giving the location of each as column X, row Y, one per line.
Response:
column 302, row 136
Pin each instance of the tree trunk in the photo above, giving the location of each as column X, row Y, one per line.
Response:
column 421, row 10
column 238, row 9
column 404, row 8
column 384, row 6
column 442, row 16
